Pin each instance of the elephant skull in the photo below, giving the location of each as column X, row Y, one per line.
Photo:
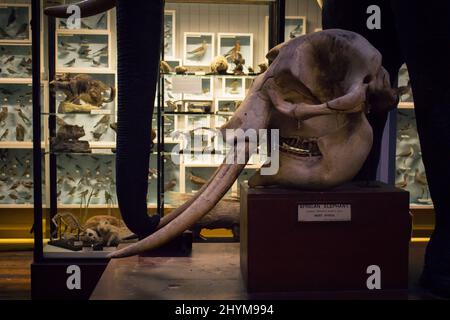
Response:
column 316, row 93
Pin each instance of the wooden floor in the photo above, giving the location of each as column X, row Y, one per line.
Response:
column 15, row 275
column 213, row 273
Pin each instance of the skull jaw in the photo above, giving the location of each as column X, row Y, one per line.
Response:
column 343, row 153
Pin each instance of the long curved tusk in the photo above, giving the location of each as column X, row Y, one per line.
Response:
column 87, row 7
column 225, row 177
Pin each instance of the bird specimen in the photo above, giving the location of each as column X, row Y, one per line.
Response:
column 164, row 67
column 3, row 116
column 72, row 191
column 234, row 87
column 22, row 29
column 14, row 196
column 108, row 198
column 84, row 194
column 84, row 25
column 298, row 30
column 199, row 52
column 96, row 63
column 4, row 34
column 4, row 135
column 12, row 17
column 421, row 179
column 104, row 120
column 24, row 118
column 70, row 63
column 234, row 53
column 102, row 52
column 15, row 185
column 404, row 183
column 170, row 185
column 65, row 46
column 101, row 21
column 27, row 184
column 9, row 60
column 6, row 92
column 84, row 51
column 20, row 132
column 197, row 180
column 100, row 131
column 28, row 197
column 25, row 63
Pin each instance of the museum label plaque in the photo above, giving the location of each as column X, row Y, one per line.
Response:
column 324, row 212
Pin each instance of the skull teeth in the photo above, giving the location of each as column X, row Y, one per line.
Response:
column 305, row 147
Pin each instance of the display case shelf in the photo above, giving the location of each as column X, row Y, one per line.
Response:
column 16, row 81
column 70, row 32
column 85, row 70
column 406, row 105
column 18, row 145
column 421, row 207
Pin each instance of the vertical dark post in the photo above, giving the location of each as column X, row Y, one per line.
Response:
column 37, row 152
column 52, row 120
column 160, row 134
column 277, row 12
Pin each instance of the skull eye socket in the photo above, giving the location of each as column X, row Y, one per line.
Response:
column 367, row 79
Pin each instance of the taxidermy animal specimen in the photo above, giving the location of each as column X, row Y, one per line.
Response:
column 24, row 118
column 180, row 70
column 104, row 120
column 20, row 132
column 219, row 65
column 83, row 93
column 199, row 52
column 297, row 31
column 4, row 135
column 234, row 53
column 262, row 67
column 164, row 67
column 22, row 29
column 3, row 116
column 109, row 234
column 100, row 130
column 67, row 140
column 12, row 17
column 315, row 92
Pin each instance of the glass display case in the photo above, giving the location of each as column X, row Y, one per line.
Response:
column 80, row 140
column 410, row 171
column 79, row 127
column 16, row 121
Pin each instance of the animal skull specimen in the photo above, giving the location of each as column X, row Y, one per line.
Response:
column 316, row 92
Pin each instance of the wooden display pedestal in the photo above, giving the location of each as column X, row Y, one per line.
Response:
column 348, row 239
column 49, row 280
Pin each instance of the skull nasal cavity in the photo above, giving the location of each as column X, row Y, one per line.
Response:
column 367, row 79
